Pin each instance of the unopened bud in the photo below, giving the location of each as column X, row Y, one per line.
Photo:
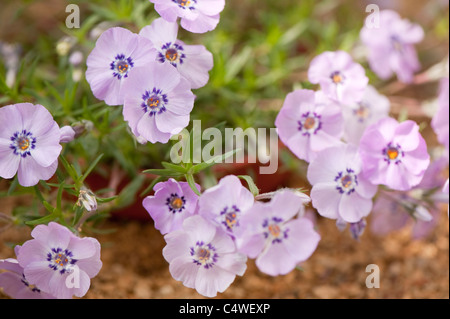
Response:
column 87, row 199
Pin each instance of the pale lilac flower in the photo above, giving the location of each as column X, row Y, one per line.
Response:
column 158, row 102
column 357, row 117
column 58, row 262
column 14, row 283
column 29, row 143
column 202, row 256
column 197, row 16
column 308, row 122
column 394, row 154
column 394, row 210
column 339, row 191
column 271, row 234
column 117, row 52
column 226, row 203
column 171, row 204
column 340, row 78
column 192, row 61
column 391, row 46
column 440, row 121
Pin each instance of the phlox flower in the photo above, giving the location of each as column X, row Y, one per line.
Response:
column 14, row 283
column 394, row 154
column 58, row 262
column 272, row 234
column 117, row 52
column 197, row 16
column 171, row 204
column 340, row 78
column 202, row 256
column 394, row 210
column 30, row 143
column 226, row 203
column 391, row 46
column 192, row 61
column 308, row 122
column 357, row 117
column 158, row 102
column 440, row 121
column 339, row 191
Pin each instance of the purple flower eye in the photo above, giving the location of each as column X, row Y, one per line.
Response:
column 337, row 77
column 393, row 154
column 204, row 255
column 23, row 143
column 121, row 66
column 346, row 181
column 154, row 102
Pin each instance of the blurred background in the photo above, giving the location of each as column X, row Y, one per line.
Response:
column 262, row 51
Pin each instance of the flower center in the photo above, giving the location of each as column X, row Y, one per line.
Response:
column 173, row 53
column 309, row 123
column 230, row 217
column 337, row 77
column 22, row 143
column 186, row 4
column 154, row 102
column 121, row 66
column 176, row 203
column 393, row 154
column 204, row 255
column 273, row 230
column 61, row 260
column 362, row 112
column 346, row 181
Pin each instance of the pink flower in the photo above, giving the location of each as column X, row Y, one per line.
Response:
column 202, row 256
column 339, row 191
column 172, row 203
column 226, row 203
column 192, row 61
column 58, row 262
column 117, row 52
column 391, row 46
column 158, row 102
column 340, row 78
column 271, row 234
column 440, row 122
column 394, row 154
column 198, row 16
column 308, row 122
column 29, row 143
column 357, row 117
column 14, row 283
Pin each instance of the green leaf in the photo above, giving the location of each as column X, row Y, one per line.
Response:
column 90, row 168
column 191, row 181
column 42, row 220
column 251, row 184
column 175, row 168
column 215, row 160
column 163, row 172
